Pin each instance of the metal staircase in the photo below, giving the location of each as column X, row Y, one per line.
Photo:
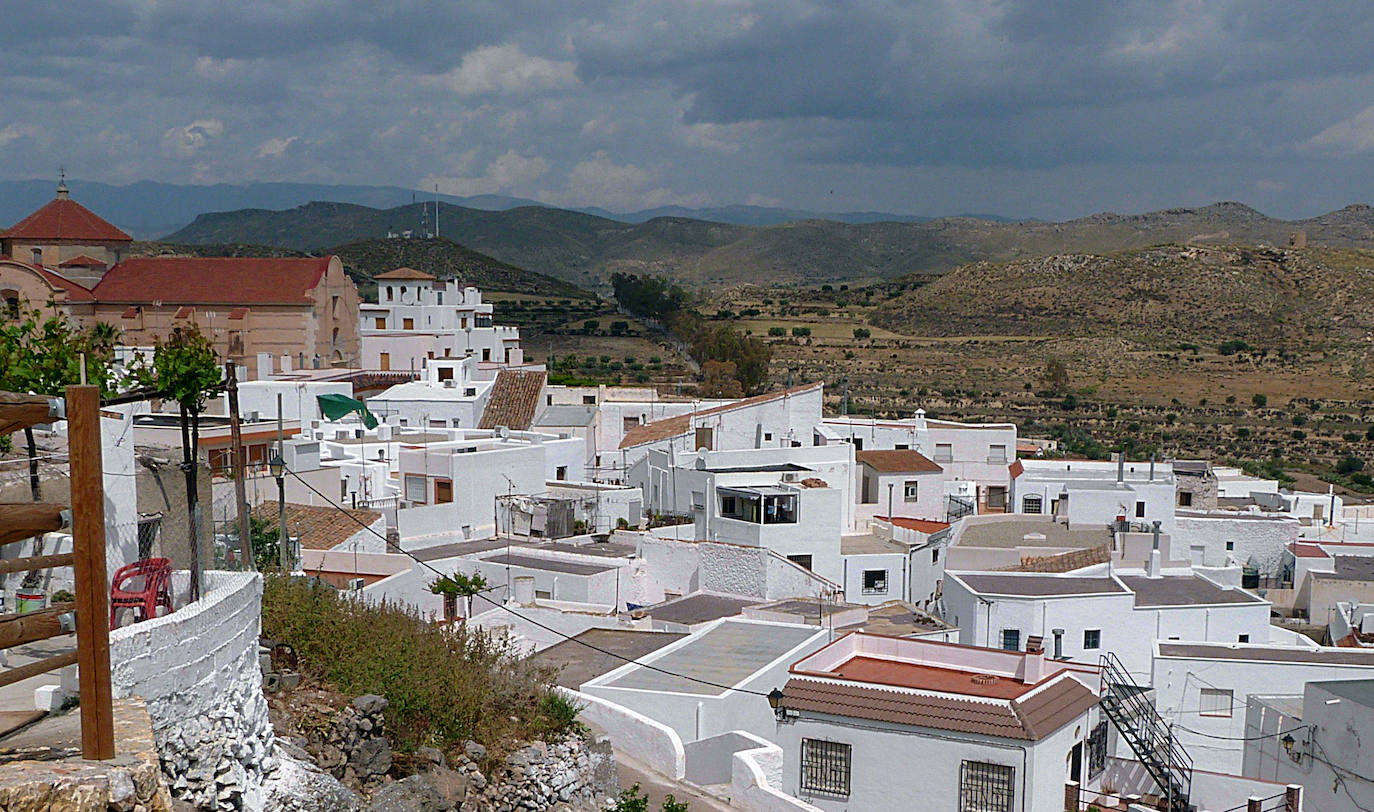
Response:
column 1149, row 736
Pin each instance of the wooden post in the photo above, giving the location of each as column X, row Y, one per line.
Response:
column 28, row 519
column 92, row 583
column 240, row 463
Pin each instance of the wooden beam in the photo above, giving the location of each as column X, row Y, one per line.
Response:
column 92, row 587
column 16, row 630
column 22, row 411
column 36, row 562
column 19, row 673
column 28, row 519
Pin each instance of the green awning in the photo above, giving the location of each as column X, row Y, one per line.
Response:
column 336, row 407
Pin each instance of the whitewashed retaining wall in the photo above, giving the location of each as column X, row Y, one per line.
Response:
column 197, row 669
column 756, row 780
column 655, row 744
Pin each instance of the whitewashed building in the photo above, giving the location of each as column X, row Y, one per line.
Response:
column 417, row 319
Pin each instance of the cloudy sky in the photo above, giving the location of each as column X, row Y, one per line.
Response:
column 1036, row 109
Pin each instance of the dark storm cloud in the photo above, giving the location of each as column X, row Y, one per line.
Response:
column 1028, row 108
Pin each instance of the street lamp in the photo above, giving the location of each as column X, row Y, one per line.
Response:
column 277, row 466
column 775, row 702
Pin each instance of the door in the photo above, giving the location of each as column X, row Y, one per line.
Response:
column 1076, row 763
column 385, row 361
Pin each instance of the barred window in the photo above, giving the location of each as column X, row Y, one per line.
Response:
column 986, row 787
column 825, row 767
column 1097, row 750
column 1032, row 503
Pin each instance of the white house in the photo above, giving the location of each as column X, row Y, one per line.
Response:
column 450, row 393
column 1081, row 616
column 417, row 319
column 1204, row 687
column 872, row 722
column 902, row 483
column 1087, row 492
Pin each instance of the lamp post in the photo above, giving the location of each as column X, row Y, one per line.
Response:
column 278, row 468
column 775, row 702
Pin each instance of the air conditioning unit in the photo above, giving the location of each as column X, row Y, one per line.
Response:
column 789, row 476
column 359, row 433
column 450, row 384
column 356, row 584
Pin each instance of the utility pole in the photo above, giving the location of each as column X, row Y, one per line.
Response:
column 283, row 539
column 240, row 486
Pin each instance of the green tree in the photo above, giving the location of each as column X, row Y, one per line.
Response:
column 1056, row 376
column 1259, row 400
column 1349, row 465
column 777, row 331
column 187, row 371
column 862, row 332
column 265, row 537
column 459, row 585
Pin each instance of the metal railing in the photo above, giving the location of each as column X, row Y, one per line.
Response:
column 1149, row 735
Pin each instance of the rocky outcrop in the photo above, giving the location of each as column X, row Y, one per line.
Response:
column 572, row 775
column 355, row 750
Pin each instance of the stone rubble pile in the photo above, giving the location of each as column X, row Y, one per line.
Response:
column 212, row 760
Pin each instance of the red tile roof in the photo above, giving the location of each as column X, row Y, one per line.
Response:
column 218, row 280
column 900, row 461
column 75, row 292
column 320, row 527
column 919, row 525
column 1035, row 717
column 681, row 424
column 513, row 401
column 65, row 219
column 1301, row 550
column 82, row 261
column 405, row 273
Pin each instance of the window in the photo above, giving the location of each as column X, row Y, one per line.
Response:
column 1215, row 702
column 944, row 452
column 935, row 556
column 388, row 293
column 384, row 361
column 997, row 453
column 407, row 324
column 875, row 582
column 800, row 560
column 450, row 607
column 379, row 322
column 703, row 439
column 1230, row 545
column 767, row 436
column 561, row 473
column 901, row 447
column 997, row 497
column 825, row 768
column 1011, row 639
column 1097, row 750
column 1244, row 638
column 1032, row 503
column 986, row 787
column 628, row 422
column 415, row 489
column 443, row 491
column 1092, row 638
column 730, row 507
column 1140, row 510
column 909, row 490
column 486, row 353
column 446, row 373
column 589, row 400
column 1185, row 499
column 780, row 509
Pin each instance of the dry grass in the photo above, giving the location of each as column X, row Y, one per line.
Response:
column 444, row 684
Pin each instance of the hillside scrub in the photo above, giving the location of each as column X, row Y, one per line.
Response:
column 445, row 684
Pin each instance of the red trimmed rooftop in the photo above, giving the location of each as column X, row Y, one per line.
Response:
column 217, row 280
column 64, row 219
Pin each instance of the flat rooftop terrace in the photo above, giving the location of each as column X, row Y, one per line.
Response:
column 723, row 656
column 699, row 608
column 1039, row 585
column 899, row 619
column 578, row 663
column 1182, row 590
column 534, row 562
column 1010, row 533
column 1271, row 654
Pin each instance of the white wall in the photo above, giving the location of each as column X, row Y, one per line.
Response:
column 1262, row 537
column 197, row 668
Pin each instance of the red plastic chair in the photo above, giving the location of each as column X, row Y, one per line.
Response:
column 155, row 590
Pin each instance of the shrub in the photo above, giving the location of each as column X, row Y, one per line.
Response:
column 1349, row 465
column 620, row 327
column 801, row 332
column 590, row 325
column 1232, row 347
column 862, row 332
column 1351, row 437
column 1299, row 434
column 1299, row 419
column 1230, row 398
column 1259, row 400
column 1242, row 432
column 444, row 684
column 1070, row 401
column 777, row 331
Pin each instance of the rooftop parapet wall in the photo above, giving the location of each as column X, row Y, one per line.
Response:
column 197, row 669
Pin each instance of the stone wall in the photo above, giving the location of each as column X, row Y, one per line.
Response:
column 197, row 669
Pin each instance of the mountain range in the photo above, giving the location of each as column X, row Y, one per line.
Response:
column 585, row 249
column 147, row 209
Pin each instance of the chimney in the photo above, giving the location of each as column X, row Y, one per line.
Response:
column 524, row 590
column 1034, row 660
column 1121, row 466
column 1058, row 644
column 1154, row 543
column 1152, row 467
column 1152, row 567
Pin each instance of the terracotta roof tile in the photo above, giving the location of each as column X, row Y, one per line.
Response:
column 1063, row 562
column 405, row 273
column 82, row 261
column 1034, row 717
column 900, row 461
column 75, row 292
column 320, row 527
column 919, row 525
column 65, row 219
column 217, row 280
column 681, row 424
column 513, row 401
